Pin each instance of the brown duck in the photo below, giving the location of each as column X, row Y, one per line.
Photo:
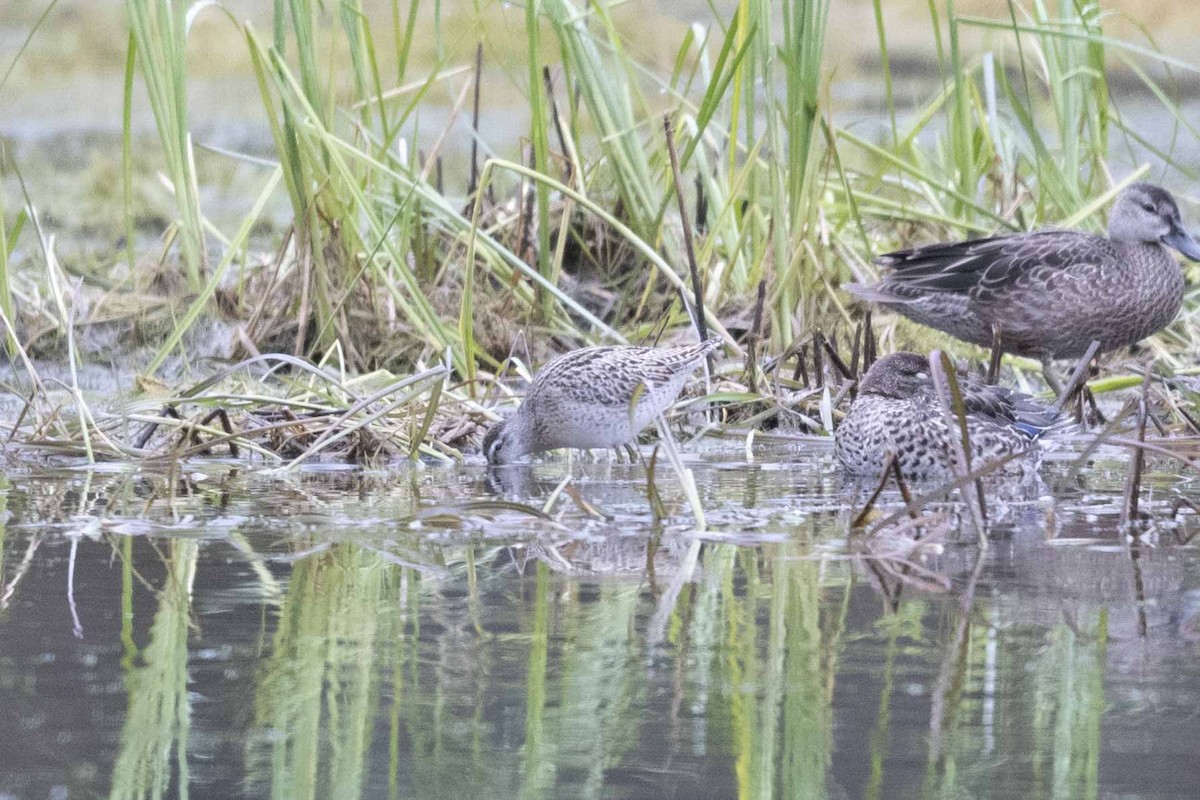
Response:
column 1049, row 294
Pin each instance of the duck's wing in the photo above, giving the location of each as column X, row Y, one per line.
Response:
column 989, row 402
column 991, row 263
column 1007, row 407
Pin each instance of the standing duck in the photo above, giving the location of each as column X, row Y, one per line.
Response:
column 594, row 397
column 897, row 411
column 1049, row 294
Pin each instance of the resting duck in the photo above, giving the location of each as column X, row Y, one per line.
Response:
column 897, row 411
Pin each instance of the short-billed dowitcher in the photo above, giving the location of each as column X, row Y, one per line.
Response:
column 594, row 397
column 897, row 411
column 1049, row 294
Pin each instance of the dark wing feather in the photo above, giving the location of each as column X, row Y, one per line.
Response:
column 991, row 263
column 1007, row 407
column 989, row 402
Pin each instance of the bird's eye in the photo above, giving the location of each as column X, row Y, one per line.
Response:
column 1148, row 207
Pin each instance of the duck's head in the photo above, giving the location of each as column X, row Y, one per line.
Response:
column 502, row 444
column 898, row 375
column 1147, row 213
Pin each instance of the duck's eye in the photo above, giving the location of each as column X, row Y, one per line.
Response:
column 1148, row 207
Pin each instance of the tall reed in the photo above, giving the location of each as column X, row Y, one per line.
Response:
column 158, row 32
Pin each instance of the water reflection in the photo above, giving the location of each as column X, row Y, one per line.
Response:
column 390, row 635
column 154, row 737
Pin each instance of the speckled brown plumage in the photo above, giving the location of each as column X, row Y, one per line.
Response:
column 585, row 399
column 897, row 411
column 1052, row 292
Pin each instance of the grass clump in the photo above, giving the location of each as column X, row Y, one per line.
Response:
column 571, row 233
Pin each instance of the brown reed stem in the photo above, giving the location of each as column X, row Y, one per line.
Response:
column 1133, row 475
column 836, row 359
column 688, row 243
column 558, row 128
column 755, row 337
column 993, row 371
column 1078, row 377
column 862, row 515
column 473, row 181
column 946, row 380
column 871, row 347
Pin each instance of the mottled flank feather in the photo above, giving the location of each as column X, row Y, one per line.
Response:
column 595, row 397
column 897, row 411
column 609, row 376
column 1049, row 293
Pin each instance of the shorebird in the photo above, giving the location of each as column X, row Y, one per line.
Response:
column 1049, row 294
column 594, row 397
column 897, row 411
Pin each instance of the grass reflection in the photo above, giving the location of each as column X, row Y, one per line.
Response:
column 499, row 675
column 1046, row 734
column 809, row 667
column 317, row 695
column 537, row 774
column 781, row 673
column 154, row 737
column 906, row 622
column 1068, row 706
column 360, row 647
column 753, row 647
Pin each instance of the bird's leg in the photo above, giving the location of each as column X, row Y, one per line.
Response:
column 993, row 372
column 1096, row 416
column 1052, row 379
column 633, row 453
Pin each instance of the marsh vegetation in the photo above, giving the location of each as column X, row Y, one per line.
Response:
column 255, row 334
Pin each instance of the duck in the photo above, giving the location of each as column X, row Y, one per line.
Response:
column 594, row 397
column 897, row 411
column 1048, row 294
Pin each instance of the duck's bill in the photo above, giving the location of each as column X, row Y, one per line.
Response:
column 1184, row 243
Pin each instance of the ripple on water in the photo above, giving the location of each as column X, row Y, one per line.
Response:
column 445, row 633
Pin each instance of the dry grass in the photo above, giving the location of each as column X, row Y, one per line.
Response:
column 387, row 268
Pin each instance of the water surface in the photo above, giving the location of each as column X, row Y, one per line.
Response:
column 222, row 633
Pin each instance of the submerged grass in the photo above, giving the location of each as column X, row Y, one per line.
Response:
column 585, row 234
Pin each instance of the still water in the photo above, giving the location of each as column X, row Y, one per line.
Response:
column 223, row 633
